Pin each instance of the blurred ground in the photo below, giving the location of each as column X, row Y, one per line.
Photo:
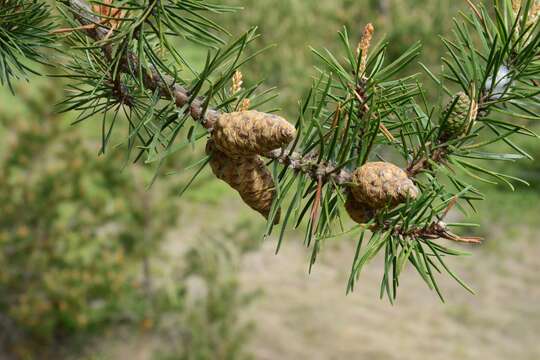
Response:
column 302, row 316
column 308, row 316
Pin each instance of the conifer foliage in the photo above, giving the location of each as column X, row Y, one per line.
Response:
column 367, row 144
column 24, row 30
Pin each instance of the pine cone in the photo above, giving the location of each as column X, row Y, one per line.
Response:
column 251, row 132
column 359, row 212
column 248, row 175
column 224, row 167
column 460, row 119
column 379, row 183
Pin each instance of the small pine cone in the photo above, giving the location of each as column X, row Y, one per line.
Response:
column 358, row 211
column 379, row 183
column 251, row 132
column 248, row 175
column 461, row 117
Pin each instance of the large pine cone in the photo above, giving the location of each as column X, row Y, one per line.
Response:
column 460, row 117
column 248, row 175
column 379, row 183
column 251, row 132
column 359, row 212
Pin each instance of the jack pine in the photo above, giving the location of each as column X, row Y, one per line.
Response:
column 355, row 99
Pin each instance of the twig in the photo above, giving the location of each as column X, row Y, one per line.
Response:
column 129, row 63
column 425, row 163
column 309, row 166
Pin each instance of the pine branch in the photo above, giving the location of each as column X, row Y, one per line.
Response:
column 168, row 88
column 426, row 163
column 309, row 166
column 357, row 113
column 24, row 28
column 130, row 64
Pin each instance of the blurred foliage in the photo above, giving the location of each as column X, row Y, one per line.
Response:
column 293, row 26
column 210, row 326
column 74, row 228
column 77, row 234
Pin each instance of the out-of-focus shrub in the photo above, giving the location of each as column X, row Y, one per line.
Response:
column 210, row 326
column 77, row 234
column 75, row 230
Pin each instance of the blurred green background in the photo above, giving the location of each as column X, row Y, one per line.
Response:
column 94, row 265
